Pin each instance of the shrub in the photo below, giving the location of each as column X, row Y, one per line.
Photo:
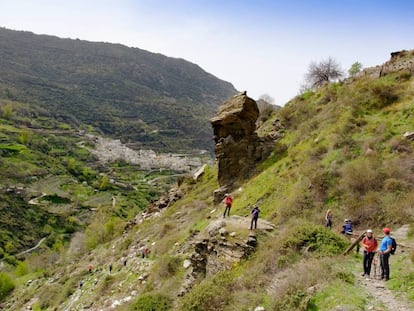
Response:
column 6, row 285
column 167, row 266
column 211, row 295
column 291, row 291
column 383, row 92
column 21, row 269
column 152, row 302
column 313, row 239
column 362, row 175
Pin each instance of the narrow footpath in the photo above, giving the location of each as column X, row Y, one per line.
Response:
column 381, row 296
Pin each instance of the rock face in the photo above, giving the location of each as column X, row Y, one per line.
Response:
column 216, row 249
column 238, row 149
column 401, row 60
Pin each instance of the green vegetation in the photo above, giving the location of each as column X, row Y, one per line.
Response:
column 161, row 102
column 152, row 302
column 6, row 285
column 343, row 149
column 213, row 294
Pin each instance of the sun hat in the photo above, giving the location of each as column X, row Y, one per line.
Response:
column 369, row 231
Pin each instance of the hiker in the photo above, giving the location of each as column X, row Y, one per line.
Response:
column 90, row 268
column 228, row 201
column 328, row 219
column 384, row 251
column 370, row 246
column 110, row 268
column 255, row 215
column 146, row 252
column 347, row 227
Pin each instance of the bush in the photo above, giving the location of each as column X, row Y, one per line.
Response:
column 362, row 175
column 211, row 295
column 6, row 285
column 383, row 92
column 21, row 269
column 152, row 302
column 313, row 239
column 167, row 266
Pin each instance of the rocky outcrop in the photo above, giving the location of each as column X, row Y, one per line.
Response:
column 238, row 149
column 218, row 249
column 154, row 209
column 399, row 61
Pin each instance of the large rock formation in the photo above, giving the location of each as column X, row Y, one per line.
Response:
column 223, row 244
column 238, row 148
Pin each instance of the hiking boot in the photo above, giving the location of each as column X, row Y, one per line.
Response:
column 363, row 274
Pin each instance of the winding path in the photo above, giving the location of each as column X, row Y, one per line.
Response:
column 32, row 249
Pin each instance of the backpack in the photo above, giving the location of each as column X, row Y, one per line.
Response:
column 393, row 246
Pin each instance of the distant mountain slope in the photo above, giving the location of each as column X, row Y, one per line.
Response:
column 130, row 93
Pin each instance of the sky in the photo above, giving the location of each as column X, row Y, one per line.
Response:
column 262, row 46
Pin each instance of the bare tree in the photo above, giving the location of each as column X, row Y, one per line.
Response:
column 266, row 108
column 267, row 98
column 323, row 72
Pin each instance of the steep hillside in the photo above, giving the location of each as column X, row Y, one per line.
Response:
column 346, row 146
column 140, row 97
column 51, row 184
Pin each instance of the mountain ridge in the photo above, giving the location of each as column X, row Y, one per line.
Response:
column 128, row 93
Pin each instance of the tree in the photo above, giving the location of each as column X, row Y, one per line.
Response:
column 355, row 68
column 267, row 98
column 323, row 72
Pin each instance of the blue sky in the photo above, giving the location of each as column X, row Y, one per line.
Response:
column 260, row 46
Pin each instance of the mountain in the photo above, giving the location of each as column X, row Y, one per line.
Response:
column 142, row 98
column 347, row 146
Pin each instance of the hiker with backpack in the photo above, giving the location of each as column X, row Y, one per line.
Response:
column 328, row 219
column 369, row 243
column 255, row 216
column 228, row 201
column 385, row 249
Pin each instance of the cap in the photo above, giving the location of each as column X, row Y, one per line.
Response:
column 226, row 195
column 386, row 230
column 369, row 231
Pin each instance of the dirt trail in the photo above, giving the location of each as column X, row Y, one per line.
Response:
column 378, row 290
column 32, row 248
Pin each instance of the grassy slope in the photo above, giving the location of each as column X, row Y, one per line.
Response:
column 343, row 149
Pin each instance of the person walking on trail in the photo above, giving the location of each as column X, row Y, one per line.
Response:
column 328, row 219
column 385, row 251
column 228, row 201
column 255, row 216
column 370, row 245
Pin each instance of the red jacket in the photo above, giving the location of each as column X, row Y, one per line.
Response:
column 369, row 245
column 228, row 201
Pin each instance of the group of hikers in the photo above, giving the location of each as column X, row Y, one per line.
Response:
column 384, row 249
column 370, row 247
column 228, row 201
column 369, row 242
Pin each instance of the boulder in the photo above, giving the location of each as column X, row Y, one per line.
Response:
column 238, row 149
